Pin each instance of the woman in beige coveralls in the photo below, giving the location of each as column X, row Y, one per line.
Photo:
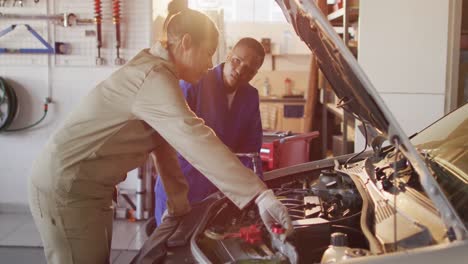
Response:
column 139, row 109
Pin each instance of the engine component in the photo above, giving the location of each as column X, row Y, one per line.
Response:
column 250, row 234
column 318, row 208
column 336, row 251
column 339, row 250
column 356, row 253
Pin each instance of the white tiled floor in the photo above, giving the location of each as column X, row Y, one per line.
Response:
column 20, row 239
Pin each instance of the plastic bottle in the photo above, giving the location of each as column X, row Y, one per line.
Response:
column 266, row 87
column 356, row 253
column 336, row 251
column 288, row 86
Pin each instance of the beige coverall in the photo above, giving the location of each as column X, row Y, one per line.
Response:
column 139, row 109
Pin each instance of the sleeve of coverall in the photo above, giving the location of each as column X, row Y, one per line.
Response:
column 174, row 182
column 161, row 104
column 254, row 136
column 189, row 91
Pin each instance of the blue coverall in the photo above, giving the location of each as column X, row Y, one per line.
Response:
column 239, row 128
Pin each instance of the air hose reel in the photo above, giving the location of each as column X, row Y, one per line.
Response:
column 9, row 108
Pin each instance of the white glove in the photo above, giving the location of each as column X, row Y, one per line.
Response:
column 273, row 211
column 164, row 215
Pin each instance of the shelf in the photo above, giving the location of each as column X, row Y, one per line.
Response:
column 286, row 54
column 272, row 99
column 340, row 30
column 336, row 18
column 353, row 43
column 274, row 56
column 338, row 112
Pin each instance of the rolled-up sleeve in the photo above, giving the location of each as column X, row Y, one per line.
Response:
column 161, row 104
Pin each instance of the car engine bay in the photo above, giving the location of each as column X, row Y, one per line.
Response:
column 318, row 208
column 338, row 212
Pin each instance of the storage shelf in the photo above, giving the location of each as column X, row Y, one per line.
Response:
column 353, row 43
column 336, row 18
column 286, row 54
column 272, row 99
column 340, row 30
column 342, row 21
column 274, row 56
column 338, row 112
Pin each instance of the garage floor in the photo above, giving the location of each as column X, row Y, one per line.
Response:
column 20, row 241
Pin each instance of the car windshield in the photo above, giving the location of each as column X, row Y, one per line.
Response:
column 444, row 145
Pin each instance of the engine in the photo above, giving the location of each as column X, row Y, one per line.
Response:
column 319, row 207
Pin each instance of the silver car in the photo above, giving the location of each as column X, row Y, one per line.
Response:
column 404, row 201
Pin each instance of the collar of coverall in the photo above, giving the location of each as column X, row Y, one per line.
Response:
column 158, row 50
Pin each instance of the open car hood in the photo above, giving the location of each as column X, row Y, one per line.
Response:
column 358, row 96
column 354, row 90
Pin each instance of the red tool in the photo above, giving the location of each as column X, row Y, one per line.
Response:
column 250, row 234
column 277, row 229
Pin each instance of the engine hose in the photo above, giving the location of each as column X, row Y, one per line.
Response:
column 9, row 99
column 374, row 243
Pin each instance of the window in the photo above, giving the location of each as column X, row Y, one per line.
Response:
column 243, row 10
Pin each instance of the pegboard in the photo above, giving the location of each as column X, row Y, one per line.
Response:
column 135, row 33
column 20, row 37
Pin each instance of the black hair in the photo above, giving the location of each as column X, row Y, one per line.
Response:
column 254, row 45
column 175, row 6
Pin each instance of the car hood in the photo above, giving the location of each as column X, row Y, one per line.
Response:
column 358, row 96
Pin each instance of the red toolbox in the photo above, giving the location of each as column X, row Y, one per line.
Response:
column 284, row 149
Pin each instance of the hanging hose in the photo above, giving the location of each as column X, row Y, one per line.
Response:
column 9, row 101
column 46, row 107
column 98, row 21
column 116, row 20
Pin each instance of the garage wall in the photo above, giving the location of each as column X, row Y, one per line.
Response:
column 404, row 49
column 65, row 78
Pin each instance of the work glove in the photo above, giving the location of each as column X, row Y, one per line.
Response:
column 273, row 212
column 164, row 215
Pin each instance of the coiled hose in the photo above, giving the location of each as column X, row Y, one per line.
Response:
column 9, row 108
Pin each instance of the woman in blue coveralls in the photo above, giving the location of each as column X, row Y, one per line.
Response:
column 230, row 106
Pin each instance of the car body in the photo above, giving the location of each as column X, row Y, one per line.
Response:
column 405, row 202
